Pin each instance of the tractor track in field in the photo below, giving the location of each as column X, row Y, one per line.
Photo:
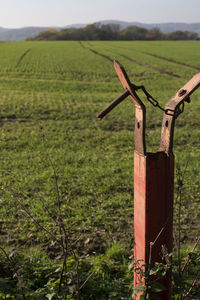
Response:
column 162, row 71
column 21, row 57
column 172, row 61
column 100, row 54
column 166, row 59
column 111, row 60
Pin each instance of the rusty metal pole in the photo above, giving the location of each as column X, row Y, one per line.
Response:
column 153, row 185
column 153, row 215
column 153, row 195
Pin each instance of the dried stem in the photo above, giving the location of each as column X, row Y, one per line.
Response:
column 150, row 257
column 6, row 254
column 179, row 199
column 64, row 240
column 193, row 284
column 87, row 280
column 189, row 255
column 34, row 220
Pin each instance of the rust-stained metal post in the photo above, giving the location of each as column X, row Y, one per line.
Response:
column 153, row 214
column 153, row 184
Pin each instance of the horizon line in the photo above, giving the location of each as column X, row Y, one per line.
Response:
column 80, row 23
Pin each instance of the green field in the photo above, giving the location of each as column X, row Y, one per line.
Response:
column 57, row 159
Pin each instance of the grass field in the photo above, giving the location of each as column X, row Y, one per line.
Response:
column 56, row 155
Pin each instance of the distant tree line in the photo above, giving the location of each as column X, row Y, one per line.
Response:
column 110, row 32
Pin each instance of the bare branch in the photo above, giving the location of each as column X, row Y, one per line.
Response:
column 189, row 255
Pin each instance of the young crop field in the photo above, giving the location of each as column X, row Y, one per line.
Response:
column 66, row 188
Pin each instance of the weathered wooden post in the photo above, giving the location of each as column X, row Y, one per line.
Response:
column 153, row 182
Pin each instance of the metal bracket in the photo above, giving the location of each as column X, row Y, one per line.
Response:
column 171, row 111
column 167, row 131
column 140, row 113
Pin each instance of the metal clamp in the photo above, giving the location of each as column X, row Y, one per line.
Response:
column 173, row 105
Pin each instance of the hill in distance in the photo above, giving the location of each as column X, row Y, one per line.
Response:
column 20, row 34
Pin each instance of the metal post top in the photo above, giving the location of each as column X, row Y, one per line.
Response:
column 173, row 108
column 171, row 111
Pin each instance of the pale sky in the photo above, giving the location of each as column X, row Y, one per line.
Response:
column 22, row 13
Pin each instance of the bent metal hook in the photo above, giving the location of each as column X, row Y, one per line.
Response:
column 167, row 131
column 140, row 113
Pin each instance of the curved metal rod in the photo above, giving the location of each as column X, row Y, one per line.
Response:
column 167, row 131
column 114, row 103
column 140, row 111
